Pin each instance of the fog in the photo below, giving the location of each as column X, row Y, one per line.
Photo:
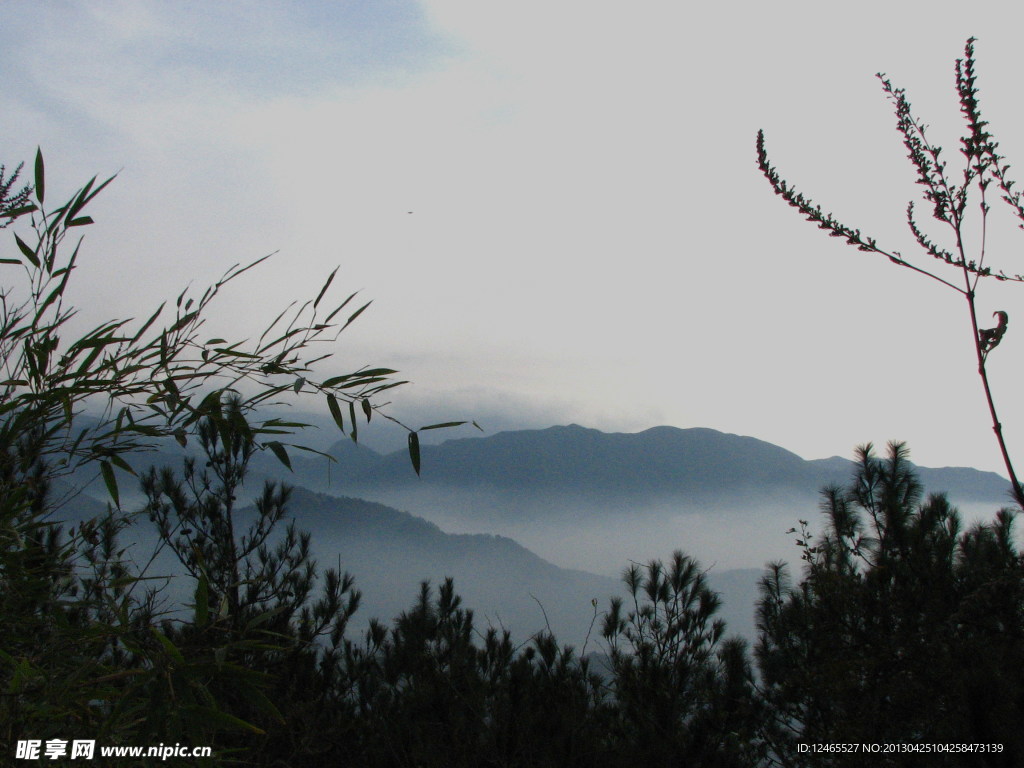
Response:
column 596, row 537
column 603, row 536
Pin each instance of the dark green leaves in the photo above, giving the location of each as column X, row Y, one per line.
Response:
column 323, row 290
column 28, row 252
column 111, row 482
column 40, row 176
column 335, row 409
column 280, row 452
column 202, row 596
column 445, row 425
column 414, row 451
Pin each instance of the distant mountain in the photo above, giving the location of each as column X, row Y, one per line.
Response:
column 960, row 483
column 575, row 496
column 698, row 463
column 662, row 460
column 390, row 552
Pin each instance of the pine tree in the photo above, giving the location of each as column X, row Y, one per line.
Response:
column 903, row 629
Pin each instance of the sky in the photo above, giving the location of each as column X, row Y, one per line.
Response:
column 554, row 206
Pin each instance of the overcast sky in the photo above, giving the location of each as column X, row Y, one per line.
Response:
column 590, row 239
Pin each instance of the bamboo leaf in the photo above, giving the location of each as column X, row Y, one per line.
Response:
column 111, row 482
column 324, row 289
column 367, row 409
column 219, row 717
column 120, row 463
column 280, row 452
column 264, row 618
column 335, row 409
column 334, row 380
column 96, row 191
column 208, row 715
column 29, row 253
column 182, row 321
column 40, row 176
column 414, row 452
column 202, row 600
column 355, row 314
column 145, row 326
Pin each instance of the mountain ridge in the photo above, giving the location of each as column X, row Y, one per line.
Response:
column 656, row 460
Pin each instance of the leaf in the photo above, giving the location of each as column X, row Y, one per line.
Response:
column 352, row 418
column 367, row 409
column 182, row 321
column 108, row 477
column 14, row 213
column 445, row 425
column 170, row 647
column 354, row 315
column 331, row 382
column 264, row 617
column 145, row 326
column 206, row 714
column 81, row 221
column 340, row 307
column 202, row 600
column 265, row 705
column 324, row 289
column 332, row 404
column 280, row 452
column 414, row 452
column 29, row 253
column 122, row 464
column 40, row 176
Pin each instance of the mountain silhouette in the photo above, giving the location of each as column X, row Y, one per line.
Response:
column 662, row 460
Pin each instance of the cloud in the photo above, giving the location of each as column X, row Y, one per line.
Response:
column 586, row 215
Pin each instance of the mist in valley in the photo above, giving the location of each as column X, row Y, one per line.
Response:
column 603, row 535
column 532, row 558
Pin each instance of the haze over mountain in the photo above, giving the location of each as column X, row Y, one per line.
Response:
column 554, row 515
column 391, row 552
column 698, row 463
column 589, row 500
column 663, row 459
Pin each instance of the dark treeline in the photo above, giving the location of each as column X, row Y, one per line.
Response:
column 903, row 628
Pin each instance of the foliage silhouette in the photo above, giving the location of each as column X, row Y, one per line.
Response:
column 683, row 695
column 83, row 652
column 905, row 628
column 11, row 200
column 948, row 200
